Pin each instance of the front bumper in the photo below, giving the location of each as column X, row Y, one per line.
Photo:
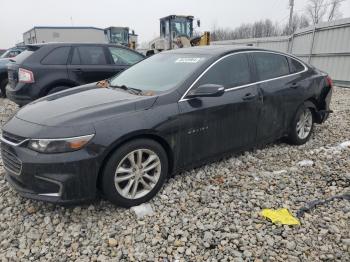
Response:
column 66, row 178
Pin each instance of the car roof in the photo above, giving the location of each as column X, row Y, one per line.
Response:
column 214, row 50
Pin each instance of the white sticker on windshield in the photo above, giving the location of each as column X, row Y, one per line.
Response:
column 191, row 60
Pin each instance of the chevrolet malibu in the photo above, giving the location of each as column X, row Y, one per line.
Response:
column 176, row 110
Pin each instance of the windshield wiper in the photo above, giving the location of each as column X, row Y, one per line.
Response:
column 132, row 90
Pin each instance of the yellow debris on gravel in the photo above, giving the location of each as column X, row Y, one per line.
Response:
column 280, row 216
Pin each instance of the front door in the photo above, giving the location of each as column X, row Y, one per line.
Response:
column 215, row 125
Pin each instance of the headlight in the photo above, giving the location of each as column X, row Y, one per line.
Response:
column 59, row 145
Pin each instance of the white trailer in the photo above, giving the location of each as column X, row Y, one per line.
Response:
column 45, row 34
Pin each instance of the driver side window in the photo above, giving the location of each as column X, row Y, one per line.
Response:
column 122, row 56
column 230, row 72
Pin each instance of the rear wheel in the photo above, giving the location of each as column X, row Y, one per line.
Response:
column 302, row 126
column 3, row 85
column 135, row 173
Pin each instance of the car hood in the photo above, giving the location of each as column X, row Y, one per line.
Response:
column 83, row 105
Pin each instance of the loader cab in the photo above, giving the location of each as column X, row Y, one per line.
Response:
column 118, row 35
column 176, row 26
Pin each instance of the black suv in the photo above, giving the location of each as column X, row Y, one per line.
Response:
column 48, row 68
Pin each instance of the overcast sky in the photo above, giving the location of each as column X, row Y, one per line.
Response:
column 140, row 15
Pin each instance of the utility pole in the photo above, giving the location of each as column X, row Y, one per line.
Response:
column 291, row 5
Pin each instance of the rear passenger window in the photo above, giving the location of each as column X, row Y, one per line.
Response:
column 92, row 55
column 270, row 65
column 58, row 56
column 295, row 66
column 230, row 72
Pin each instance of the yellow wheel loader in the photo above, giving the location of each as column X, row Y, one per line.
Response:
column 176, row 31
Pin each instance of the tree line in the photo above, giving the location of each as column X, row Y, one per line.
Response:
column 316, row 11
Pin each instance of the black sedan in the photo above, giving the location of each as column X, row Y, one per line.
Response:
column 175, row 110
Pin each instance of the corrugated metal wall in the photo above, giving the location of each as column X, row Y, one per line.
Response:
column 326, row 46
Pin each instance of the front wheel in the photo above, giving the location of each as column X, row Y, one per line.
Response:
column 135, row 173
column 302, row 126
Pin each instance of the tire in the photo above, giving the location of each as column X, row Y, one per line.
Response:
column 3, row 84
column 301, row 128
column 120, row 160
column 57, row 89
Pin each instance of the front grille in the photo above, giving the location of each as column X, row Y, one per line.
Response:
column 12, row 138
column 10, row 161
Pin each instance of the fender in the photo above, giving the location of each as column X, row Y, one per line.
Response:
column 310, row 104
column 59, row 82
column 320, row 115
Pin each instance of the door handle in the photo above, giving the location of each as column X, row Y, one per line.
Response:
column 78, row 70
column 249, row 96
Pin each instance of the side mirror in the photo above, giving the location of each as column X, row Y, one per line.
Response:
column 207, row 90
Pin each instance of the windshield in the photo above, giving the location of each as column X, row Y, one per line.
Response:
column 159, row 72
column 119, row 36
column 182, row 27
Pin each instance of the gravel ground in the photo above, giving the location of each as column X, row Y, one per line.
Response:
column 207, row 214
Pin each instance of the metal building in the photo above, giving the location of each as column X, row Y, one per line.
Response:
column 44, row 34
column 326, row 46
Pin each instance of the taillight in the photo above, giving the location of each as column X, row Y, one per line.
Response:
column 329, row 81
column 25, row 76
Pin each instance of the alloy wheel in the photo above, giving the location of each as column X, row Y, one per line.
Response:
column 137, row 173
column 304, row 124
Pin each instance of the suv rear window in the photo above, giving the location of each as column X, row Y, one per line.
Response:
column 23, row 56
column 270, row 65
column 58, row 56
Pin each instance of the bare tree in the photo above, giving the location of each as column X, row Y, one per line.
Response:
column 262, row 28
column 316, row 10
column 298, row 22
column 334, row 12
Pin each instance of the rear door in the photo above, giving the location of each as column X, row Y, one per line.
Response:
column 90, row 63
column 214, row 125
column 281, row 91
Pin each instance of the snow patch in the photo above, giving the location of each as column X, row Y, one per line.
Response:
column 279, row 172
column 344, row 145
column 306, row 162
column 143, row 210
